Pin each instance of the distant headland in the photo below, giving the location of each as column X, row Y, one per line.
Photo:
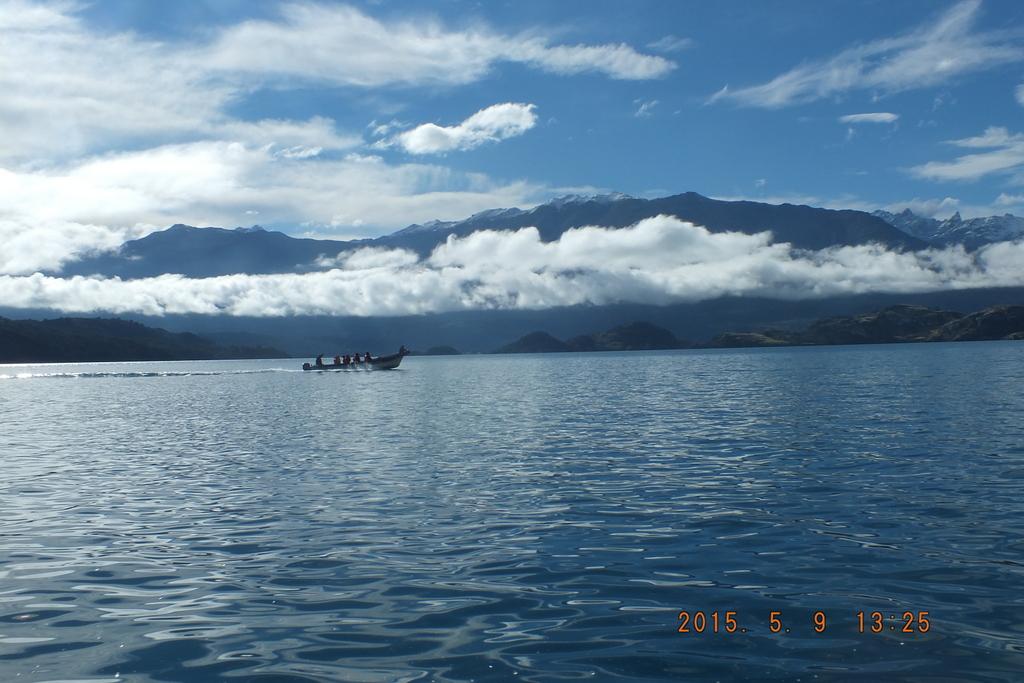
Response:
column 901, row 323
column 69, row 340
column 79, row 340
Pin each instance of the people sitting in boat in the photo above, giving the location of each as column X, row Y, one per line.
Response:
column 337, row 360
column 346, row 360
column 355, row 358
column 367, row 358
column 320, row 361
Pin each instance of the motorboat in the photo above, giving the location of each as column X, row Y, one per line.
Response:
column 389, row 362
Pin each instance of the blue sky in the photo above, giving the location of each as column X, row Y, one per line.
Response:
column 355, row 119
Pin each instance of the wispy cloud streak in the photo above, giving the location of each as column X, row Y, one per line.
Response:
column 928, row 56
column 875, row 117
column 1005, row 155
column 341, row 45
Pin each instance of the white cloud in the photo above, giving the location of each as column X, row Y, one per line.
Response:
column 45, row 245
column 341, row 45
column 384, row 129
column 877, row 117
column 1010, row 200
column 646, row 109
column 288, row 138
column 497, row 122
column 68, row 91
column 671, row 44
column 660, row 260
column 1020, row 94
column 928, row 56
column 616, row 61
column 1006, row 156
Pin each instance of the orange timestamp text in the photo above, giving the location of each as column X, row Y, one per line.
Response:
column 865, row 622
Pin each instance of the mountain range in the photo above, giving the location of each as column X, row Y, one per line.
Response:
column 209, row 252
column 972, row 233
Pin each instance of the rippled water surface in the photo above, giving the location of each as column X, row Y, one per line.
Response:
column 533, row 518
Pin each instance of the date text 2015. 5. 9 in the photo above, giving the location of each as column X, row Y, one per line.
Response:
column 864, row 622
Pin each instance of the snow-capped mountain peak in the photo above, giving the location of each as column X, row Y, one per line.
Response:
column 972, row 232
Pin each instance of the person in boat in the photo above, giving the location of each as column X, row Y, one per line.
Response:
column 355, row 358
column 337, row 360
column 346, row 360
column 320, row 361
column 367, row 358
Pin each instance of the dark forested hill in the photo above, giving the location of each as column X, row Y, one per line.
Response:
column 894, row 324
column 900, row 323
column 66, row 340
column 635, row 336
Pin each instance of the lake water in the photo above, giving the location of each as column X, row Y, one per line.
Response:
column 819, row 514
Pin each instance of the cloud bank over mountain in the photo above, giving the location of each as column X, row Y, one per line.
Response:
column 660, row 260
